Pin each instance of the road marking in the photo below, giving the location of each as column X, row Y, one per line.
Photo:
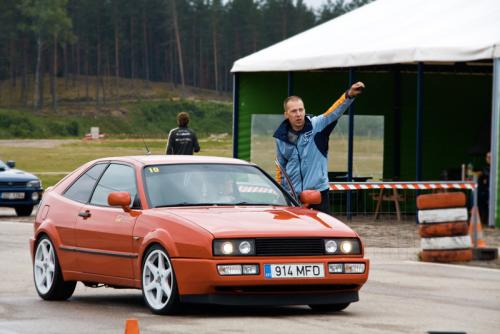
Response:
column 452, row 265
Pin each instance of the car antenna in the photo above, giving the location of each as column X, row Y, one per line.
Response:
column 148, row 152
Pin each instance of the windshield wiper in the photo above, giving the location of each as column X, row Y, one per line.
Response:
column 251, row 203
column 212, row 204
column 186, row 204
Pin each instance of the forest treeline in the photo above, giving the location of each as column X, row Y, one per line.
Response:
column 185, row 42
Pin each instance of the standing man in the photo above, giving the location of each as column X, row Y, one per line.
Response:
column 182, row 140
column 483, row 190
column 302, row 144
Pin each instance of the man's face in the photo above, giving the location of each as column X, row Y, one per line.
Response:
column 488, row 158
column 295, row 113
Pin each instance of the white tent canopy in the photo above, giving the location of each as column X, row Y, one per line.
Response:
column 388, row 32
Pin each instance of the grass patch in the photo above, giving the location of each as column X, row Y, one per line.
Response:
column 65, row 156
column 149, row 119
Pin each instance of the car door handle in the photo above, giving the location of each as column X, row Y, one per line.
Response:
column 85, row 214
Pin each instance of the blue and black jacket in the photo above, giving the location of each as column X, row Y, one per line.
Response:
column 305, row 161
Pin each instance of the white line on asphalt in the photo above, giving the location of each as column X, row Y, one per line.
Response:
column 451, row 265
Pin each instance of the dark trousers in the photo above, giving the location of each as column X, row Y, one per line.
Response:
column 324, row 206
column 483, row 206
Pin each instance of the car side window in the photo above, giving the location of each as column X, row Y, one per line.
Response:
column 116, row 178
column 81, row 189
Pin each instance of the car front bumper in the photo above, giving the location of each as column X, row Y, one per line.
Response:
column 26, row 200
column 340, row 297
column 199, row 282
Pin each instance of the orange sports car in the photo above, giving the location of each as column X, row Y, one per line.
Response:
column 190, row 229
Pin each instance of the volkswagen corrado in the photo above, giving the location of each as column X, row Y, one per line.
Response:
column 187, row 229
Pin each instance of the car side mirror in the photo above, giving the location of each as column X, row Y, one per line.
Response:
column 11, row 163
column 310, row 197
column 120, row 198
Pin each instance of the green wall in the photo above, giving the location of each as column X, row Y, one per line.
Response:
column 260, row 93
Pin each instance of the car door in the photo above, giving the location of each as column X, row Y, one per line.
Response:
column 104, row 233
column 64, row 213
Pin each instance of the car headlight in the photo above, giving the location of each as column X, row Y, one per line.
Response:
column 34, row 184
column 227, row 248
column 330, row 246
column 234, row 247
column 342, row 246
column 346, row 246
column 35, row 196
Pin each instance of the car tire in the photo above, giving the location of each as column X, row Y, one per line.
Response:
column 443, row 229
column 49, row 282
column 159, row 285
column 446, row 255
column 441, row 200
column 326, row 308
column 24, row 210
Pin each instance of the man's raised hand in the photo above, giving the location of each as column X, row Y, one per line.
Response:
column 356, row 89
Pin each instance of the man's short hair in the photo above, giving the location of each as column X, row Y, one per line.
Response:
column 183, row 119
column 291, row 98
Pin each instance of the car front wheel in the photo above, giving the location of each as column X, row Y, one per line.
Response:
column 329, row 307
column 159, row 286
column 47, row 273
column 24, row 210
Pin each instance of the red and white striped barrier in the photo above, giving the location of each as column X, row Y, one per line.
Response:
column 424, row 185
column 255, row 189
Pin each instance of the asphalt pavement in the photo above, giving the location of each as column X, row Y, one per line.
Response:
column 402, row 295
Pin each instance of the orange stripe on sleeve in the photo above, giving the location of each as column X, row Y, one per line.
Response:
column 278, row 175
column 335, row 105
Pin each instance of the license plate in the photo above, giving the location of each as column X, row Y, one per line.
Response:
column 295, row 270
column 17, row 195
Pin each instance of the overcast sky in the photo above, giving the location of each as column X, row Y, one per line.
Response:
column 316, row 4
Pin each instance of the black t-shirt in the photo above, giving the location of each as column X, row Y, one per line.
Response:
column 182, row 141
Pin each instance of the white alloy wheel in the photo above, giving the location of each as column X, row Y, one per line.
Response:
column 158, row 282
column 44, row 266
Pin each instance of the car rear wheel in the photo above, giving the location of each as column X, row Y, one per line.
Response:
column 329, row 307
column 24, row 210
column 47, row 273
column 159, row 286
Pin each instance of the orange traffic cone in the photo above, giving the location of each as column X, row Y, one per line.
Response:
column 132, row 326
column 481, row 243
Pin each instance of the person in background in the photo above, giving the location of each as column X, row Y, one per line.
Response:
column 302, row 144
column 182, row 140
column 483, row 190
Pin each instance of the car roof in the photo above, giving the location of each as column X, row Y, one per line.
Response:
column 174, row 159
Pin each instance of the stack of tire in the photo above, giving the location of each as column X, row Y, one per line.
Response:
column 443, row 227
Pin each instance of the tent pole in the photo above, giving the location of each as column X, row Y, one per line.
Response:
column 397, row 123
column 495, row 118
column 350, row 146
column 290, row 83
column 236, row 109
column 420, row 112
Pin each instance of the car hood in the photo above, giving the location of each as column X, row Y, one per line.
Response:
column 16, row 175
column 225, row 222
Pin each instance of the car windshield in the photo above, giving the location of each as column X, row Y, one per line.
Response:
column 211, row 184
column 3, row 165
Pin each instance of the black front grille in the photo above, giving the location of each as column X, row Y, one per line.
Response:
column 289, row 246
column 12, row 183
